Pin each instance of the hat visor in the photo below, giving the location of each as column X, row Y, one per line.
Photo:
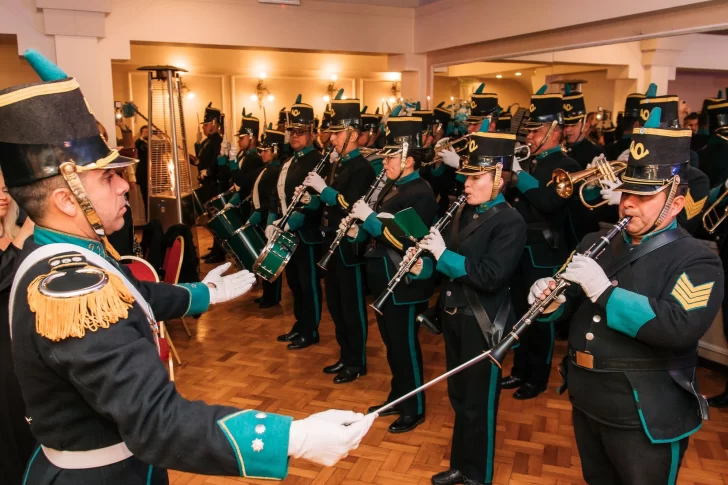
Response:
column 119, row 162
column 573, row 121
column 390, row 150
column 472, row 170
column 475, row 119
column 533, row 125
column 295, row 126
column 641, row 189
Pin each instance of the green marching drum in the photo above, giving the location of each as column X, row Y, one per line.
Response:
column 245, row 245
column 275, row 255
column 225, row 223
column 217, row 203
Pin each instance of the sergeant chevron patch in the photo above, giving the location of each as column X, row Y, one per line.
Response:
column 692, row 207
column 342, row 201
column 691, row 297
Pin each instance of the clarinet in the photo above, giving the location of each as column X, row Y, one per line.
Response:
column 405, row 267
column 340, row 234
column 297, row 197
column 498, row 353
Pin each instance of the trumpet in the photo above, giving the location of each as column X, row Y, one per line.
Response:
column 404, row 268
column 713, row 217
column 323, row 264
column 564, row 182
column 366, row 151
column 447, row 145
column 498, row 353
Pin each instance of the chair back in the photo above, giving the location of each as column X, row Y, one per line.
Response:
column 140, row 268
column 173, row 260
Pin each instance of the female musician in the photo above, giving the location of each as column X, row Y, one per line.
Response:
column 264, row 198
column 484, row 244
column 397, row 324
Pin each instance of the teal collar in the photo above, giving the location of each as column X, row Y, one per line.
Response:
column 303, row 152
column 548, row 152
column 352, row 154
column 251, row 151
column 437, row 171
column 487, row 205
column 628, row 238
column 274, row 163
column 43, row 236
column 703, row 131
column 408, row 178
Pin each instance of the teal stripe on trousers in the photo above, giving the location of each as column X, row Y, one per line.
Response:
column 30, row 463
column 490, row 454
column 674, row 459
column 413, row 354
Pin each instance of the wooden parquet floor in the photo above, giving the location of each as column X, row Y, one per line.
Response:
column 234, row 359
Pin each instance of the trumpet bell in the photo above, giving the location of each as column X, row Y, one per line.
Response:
column 563, row 183
column 715, row 214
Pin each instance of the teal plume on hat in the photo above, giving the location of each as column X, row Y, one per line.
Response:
column 442, row 103
column 396, row 110
column 364, row 109
column 209, row 105
column 298, row 99
column 484, row 125
column 418, row 106
column 270, row 126
column 651, row 91
column 654, row 120
column 376, row 112
column 339, row 94
column 480, row 89
column 567, row 89
column 43, row 66
column 243, row 112
column 720, row 94
column 542, row 89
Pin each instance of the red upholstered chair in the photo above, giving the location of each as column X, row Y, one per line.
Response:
column 172, row 266
column 143, row 271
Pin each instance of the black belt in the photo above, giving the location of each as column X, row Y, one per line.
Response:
column 589, row 361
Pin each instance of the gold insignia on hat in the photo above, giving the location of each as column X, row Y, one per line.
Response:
column 333, row 113
column 693, row 207
column 638, row 151
column 295, row 112
column 568, row 107
column 690, row 296
column 387, row 131
column 472, row 146
column 532, row 108
column 473, row 104
column 644, row 114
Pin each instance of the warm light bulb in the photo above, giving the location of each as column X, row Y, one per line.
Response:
column 518, row 74
column 271, row 97
column 452, row 98
column 254, row 97
column 262, row 75
column 118, row 116
column 498, row 76
column 428, row 98
column 392, row 100
column 191, row 95
column 327, row 98
column 334, row 78
column 343, row 97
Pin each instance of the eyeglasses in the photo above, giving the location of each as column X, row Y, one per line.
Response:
column 298, row 132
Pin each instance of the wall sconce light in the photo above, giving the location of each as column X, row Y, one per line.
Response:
column 261, row 91
column 187, row 92
column 331, row 89
column 395, row 92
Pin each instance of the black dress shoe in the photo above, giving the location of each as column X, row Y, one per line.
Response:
column 406, row 423
column 511, row 382
column 471, row 482
column 450, row 477
column 349, row 375
column 388, row 412
column 287, row 337
column 334, row 368
column 258, row 300
column 301, row 342
column 719, row 401
column 528, row 391
column 267, row 304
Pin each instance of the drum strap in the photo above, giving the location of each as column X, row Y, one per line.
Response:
column 256, row 193
column 282, row 185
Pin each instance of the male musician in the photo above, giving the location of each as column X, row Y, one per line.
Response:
column 350, row 177
column 263, row 198
column 323, row 134
column 210, row 171
column 578, row 145
column 368, row 136
column 301, row 272
column 630, row 119
column 715, row 153
column 546, row 245
column 482, row 105
column 439, row 174
column 85, row 340
column 636, row 315
column 248, row 163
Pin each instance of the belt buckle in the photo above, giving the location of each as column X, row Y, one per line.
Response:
column 451, row 311
column 584, row 359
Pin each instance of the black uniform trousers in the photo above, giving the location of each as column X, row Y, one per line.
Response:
column 399, row 328
column 614, row 456
column 272, row 292
column 348, row 309
column 474, row 394
column 533, row 355
column 304, row 282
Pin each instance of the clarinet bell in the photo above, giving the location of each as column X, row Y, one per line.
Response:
column 379, row 303
column 324, row 263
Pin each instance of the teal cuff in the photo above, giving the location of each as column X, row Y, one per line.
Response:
column 259, row 442
column 461, row 178
column 373, row 225
column 378, row 166
column 329, row 196
column 427, row 270
column 233, row 164
column 222, row 160
column 296, row 221
column 271, row 218
column 553, row 316
column 235, row 199
column 199, row 298
column 592, row 193
column 436, row 172
column 361, row 236
column 627, row 312
column 255, row 218
column 314, row 204
column 526, row 182
column 451, row 264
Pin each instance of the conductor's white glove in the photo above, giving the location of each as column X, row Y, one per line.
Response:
column 538, row 288
column 434, row 243
column 450, row 157
column 225, row 288
column 608, row 192
column 315, row 181
column 327, row 437
column 588, row 274
column 361, row 210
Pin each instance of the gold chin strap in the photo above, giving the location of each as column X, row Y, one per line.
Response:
column 70, row 174
column 496, row 177
column 666, row 207
column 403, row 159
column 545, row 138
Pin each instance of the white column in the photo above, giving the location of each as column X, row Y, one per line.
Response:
column 414, row 75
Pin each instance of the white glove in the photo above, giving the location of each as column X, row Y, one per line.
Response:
column 609, row 194
column 417, row 267
column 270, row 230
column 334, row 156
column 588, row 274
column 442, row 141
column 726, row 184
column 515, row 166
column 228, row 205
column 315, row 181
column 593, row 162
column 325, row 438
column 434, row 243
column 361, row 210
column 539, row 287
column 450, row 157
column 624, row 156
column 233, row 153
column 199, row 137
column 225, row 288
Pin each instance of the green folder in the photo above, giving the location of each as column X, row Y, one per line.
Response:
column 405, row 223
